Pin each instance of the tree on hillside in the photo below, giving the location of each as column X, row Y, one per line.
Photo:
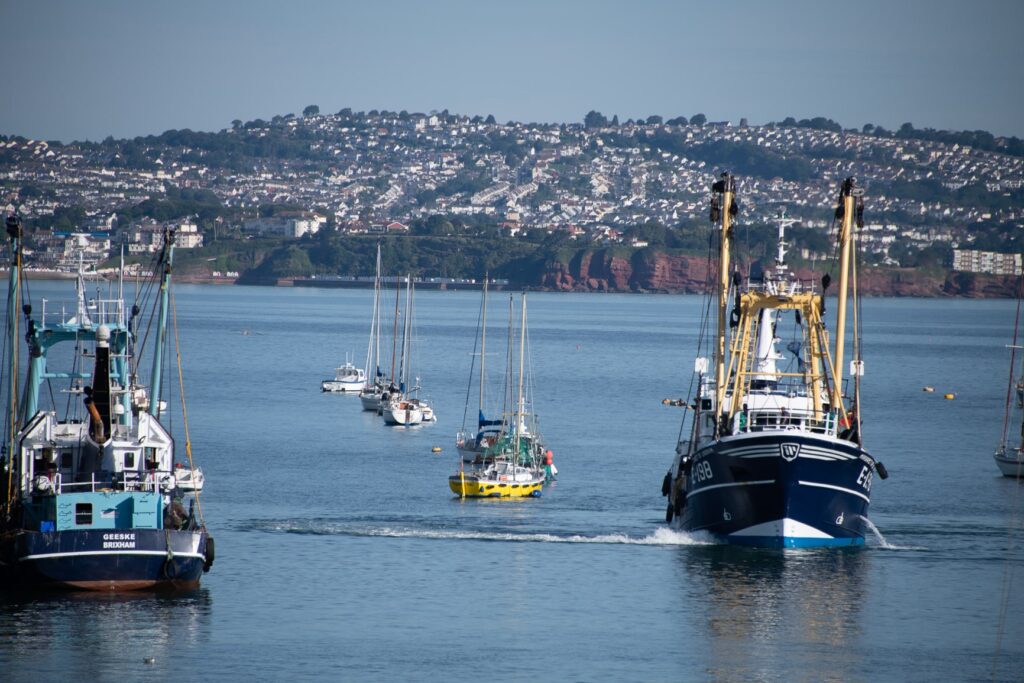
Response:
column 698, row 120
column 595, row 119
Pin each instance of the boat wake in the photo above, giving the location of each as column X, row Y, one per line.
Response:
column 881, row 541
column 662, row 536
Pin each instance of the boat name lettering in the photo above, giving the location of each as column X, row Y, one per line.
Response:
column 123, row 540
column 865, row 478
column 702, row 471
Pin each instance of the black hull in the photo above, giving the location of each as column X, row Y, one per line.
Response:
column 107, row 559
column 781, row 490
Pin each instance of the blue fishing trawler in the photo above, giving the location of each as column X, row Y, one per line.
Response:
column 771, row 452
column 95, row 499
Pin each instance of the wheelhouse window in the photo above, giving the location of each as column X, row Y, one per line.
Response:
column 129, row 461
column 83, row 514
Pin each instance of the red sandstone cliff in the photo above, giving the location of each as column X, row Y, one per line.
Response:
column 649, row 271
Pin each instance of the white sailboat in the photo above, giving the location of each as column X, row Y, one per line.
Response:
column 399, row 404
column 369, row 395
column 1009, row 457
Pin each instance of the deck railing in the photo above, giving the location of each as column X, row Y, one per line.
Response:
column 773, row 419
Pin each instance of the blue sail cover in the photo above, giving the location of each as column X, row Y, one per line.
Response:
column 482, row 421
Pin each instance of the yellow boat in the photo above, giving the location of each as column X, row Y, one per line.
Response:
column 499, row 479
column 513, row 466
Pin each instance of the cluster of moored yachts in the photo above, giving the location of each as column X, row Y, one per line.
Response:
column 503, row 457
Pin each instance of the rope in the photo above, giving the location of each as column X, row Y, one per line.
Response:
column 184, row 411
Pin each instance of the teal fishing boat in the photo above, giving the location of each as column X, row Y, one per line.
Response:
column 96, row 498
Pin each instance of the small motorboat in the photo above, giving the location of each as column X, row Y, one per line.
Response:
column 348, row 379
column 189, row 479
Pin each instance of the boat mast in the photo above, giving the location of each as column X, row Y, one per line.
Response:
column 161, row 330
column 722, row 209
column 370, row 358
column 379, row 286
column 522, row 349
column 394, row 335
column 403, row 372
column 847, row 198
column 14, row 231
column 506, row 389
column 483, row 349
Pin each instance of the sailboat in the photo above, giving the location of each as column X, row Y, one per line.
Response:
column 399, row 404
column 1009, row 458
column 370, row 394
column 771, row 451
column 514, row 466
column 471, row 443
column 92, row 501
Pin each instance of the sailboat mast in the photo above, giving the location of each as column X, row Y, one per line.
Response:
column 846, row 198
column 506, row 390
column 483, row 344
column 724, row 192
column 394, row 335
column 403, row 373
column 379, row 287
column 161, row 330
column 373, row 319
column 522, row 350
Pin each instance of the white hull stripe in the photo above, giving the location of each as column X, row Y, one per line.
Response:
column 835, row 488
column 48, row 556
column 773, row 451
column 739, row 483
column 827, row 452
column 782, row 528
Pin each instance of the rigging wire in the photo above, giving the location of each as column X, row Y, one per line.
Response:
column 1013, row 362
column 702, row 329
column 181, row 395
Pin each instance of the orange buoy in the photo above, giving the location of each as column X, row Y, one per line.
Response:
column 548, row 457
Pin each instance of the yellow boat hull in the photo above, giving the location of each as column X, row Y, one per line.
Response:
column 471, row 487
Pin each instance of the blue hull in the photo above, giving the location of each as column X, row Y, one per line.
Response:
column 106, row 559
column 779, row 490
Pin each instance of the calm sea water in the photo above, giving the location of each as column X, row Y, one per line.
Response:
column 342, row 554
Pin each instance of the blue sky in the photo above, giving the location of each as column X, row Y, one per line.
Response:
column 85, row 70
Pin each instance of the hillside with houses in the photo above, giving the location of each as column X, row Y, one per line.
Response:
column 457, row 196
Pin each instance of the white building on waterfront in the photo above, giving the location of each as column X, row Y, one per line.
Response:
column 974, row 261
